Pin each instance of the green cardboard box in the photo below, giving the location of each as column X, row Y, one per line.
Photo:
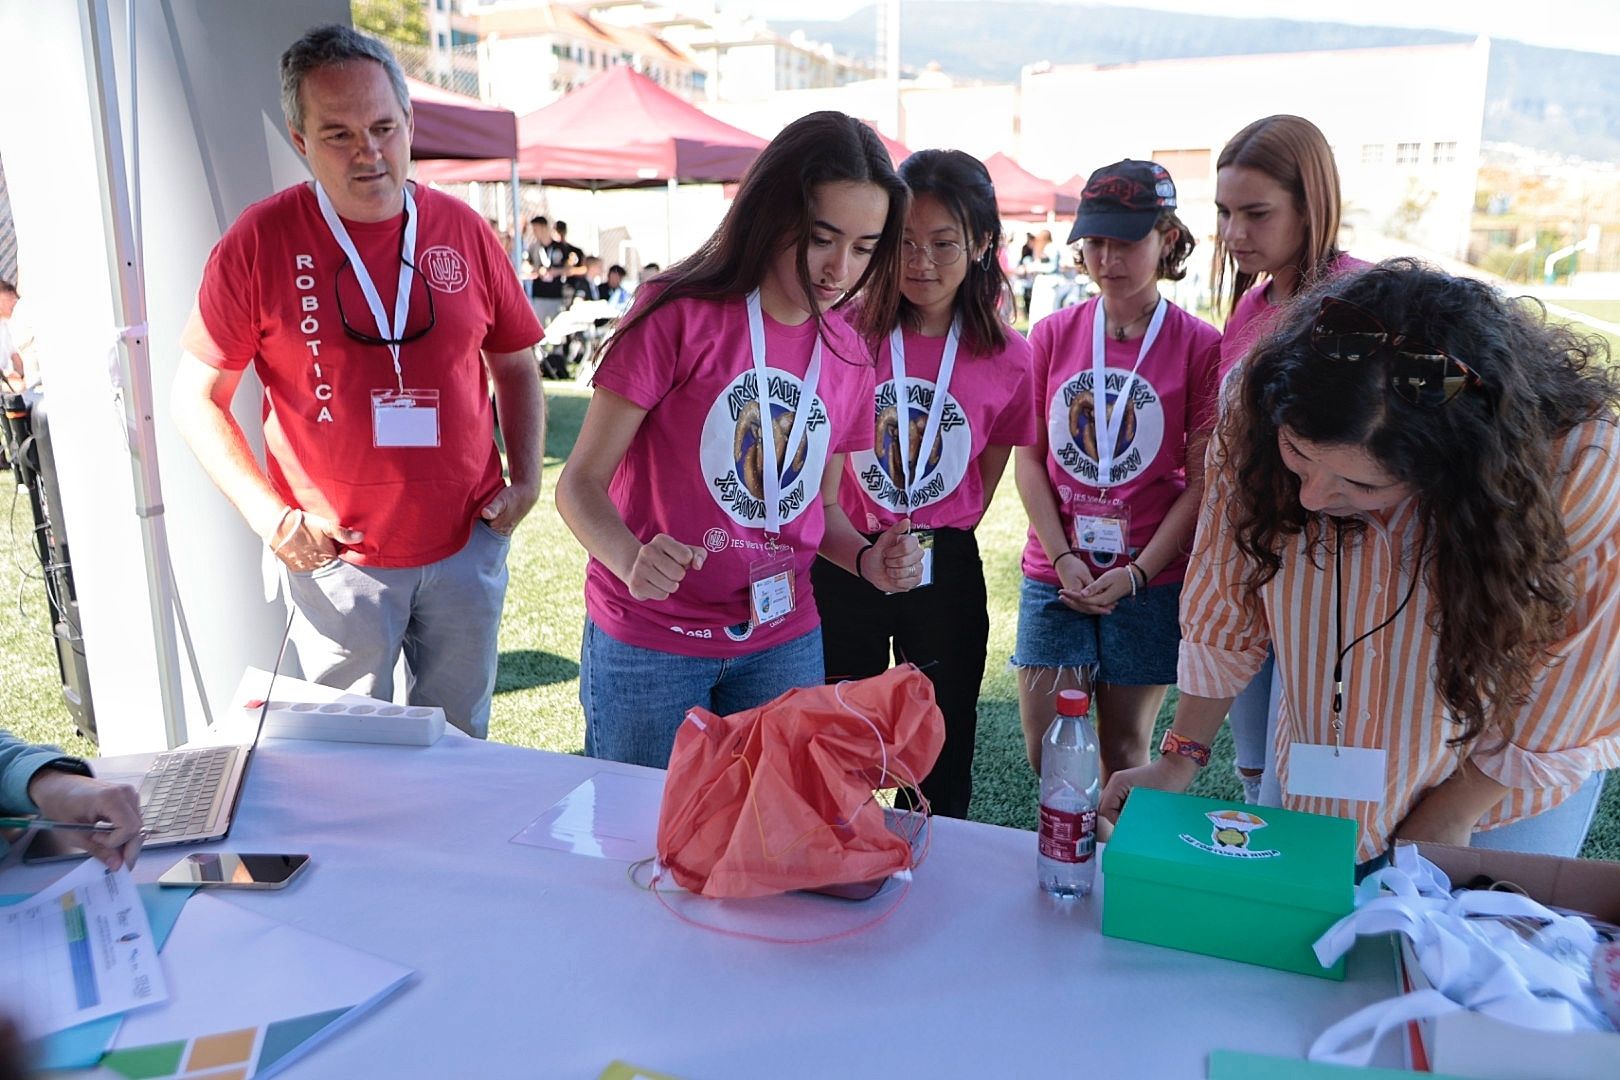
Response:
column 1226, row 879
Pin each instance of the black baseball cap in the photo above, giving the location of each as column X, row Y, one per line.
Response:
column 1122, row 201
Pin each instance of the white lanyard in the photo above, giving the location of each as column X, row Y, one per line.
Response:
column 767, row 430
column 936, row 411
column 1113, row 419
column 407, row 252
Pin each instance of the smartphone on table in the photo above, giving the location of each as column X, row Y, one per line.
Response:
column 232, row 870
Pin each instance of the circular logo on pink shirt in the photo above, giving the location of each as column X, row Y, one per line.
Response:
column 731, row 451
column 936, row 474
column 1074, row 427
column 443, row 268
column 716, row 540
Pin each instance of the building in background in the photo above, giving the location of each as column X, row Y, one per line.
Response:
column 1404, row 124
column 525, row 54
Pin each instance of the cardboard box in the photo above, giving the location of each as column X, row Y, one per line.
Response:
column 1469, row 1044
column 1225, row 879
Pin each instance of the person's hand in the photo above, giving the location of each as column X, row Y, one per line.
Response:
column 1167, row 772
column 510, row 506
column 305, row 541
column 660, row 566
column 894, row 562
column 1074, row 575
column 1106, row 589
column 65, row 796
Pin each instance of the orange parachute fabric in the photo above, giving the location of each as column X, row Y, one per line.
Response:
column 779, row 797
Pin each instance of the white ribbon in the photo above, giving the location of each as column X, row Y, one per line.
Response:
column 407, row 270
column 1111, row 420
column 772, row 480
column 936, row 411
column 1482, row 964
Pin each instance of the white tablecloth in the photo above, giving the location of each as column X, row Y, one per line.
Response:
column 536, row 962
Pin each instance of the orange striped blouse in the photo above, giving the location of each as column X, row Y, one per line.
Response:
column 1569, row 728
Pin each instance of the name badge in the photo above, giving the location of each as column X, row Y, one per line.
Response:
column 770, row 587
column 925, row 540
column 402, row 418
column 1355, row 772
column 1102, row 526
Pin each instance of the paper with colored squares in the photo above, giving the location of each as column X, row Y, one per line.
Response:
column 247, row 996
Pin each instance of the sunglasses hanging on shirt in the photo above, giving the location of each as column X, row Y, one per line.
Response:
column 1419, row 373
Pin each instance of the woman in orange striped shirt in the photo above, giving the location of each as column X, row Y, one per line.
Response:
column 1415, row 500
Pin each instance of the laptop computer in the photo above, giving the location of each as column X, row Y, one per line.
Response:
column 188, row 795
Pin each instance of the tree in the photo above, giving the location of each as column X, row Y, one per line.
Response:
column 402, row 22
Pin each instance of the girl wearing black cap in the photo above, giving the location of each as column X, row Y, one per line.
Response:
column 1111, row 485
column 954, row 396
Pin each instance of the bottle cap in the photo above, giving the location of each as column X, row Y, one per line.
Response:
column 1073, row 703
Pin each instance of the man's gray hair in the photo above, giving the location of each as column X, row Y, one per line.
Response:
column 333, row 43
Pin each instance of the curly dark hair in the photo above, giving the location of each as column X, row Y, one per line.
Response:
column 1493, row 544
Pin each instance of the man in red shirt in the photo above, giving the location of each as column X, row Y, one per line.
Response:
column 375, row 313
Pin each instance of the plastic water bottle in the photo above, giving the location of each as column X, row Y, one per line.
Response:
column 1071, row 774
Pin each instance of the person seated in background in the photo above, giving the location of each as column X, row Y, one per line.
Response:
column 42, row 780
column 11, row 361
column 590, row 285
column 614, row 289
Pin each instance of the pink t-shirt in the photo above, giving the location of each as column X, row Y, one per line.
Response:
column 1172, row 398
column 1254, row 313
column 269, row 297
column 692, row 470
column 990, row 402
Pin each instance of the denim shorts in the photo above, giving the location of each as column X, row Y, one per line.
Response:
column 1137, row 645
column 636, row 698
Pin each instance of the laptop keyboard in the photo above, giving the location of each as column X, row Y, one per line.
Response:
column 180, row 789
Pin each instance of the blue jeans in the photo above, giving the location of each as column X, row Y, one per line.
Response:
column 636, row 698
column 1253, row 719
column 1560, row 831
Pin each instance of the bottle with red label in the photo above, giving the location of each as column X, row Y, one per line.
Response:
column 1071, row 780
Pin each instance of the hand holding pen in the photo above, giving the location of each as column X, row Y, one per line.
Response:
column 105, row 818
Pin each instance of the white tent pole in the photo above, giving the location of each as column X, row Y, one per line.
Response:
column 517, row 219
column 669, row 222
column 129, row 310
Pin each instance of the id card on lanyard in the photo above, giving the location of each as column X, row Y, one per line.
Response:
column 400, row 417
column 910, row 470
column 1101, row 524
column 771, row 578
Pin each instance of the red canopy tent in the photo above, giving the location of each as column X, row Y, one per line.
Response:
column 451, row 125
column 621, row 129
column 1022, row 194
column 898, row 151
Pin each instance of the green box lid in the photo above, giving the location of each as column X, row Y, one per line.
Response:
column 1258, row 852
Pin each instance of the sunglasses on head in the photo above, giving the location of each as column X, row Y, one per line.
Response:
column 1420, row 373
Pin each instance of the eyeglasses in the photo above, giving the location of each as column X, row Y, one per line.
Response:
column 372, row 339
column 937, row 252
column 1420, row 373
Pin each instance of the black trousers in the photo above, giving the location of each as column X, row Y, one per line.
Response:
column 943, row 628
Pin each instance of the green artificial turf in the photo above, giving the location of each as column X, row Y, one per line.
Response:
column 537, row 686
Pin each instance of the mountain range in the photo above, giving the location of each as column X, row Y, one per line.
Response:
column 1555, row 100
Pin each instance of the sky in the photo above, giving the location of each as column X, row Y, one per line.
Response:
column 1588, row 25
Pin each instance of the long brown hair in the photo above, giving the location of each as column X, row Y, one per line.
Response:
column 774, row 208
column 1294, row 152
column 1494, row 546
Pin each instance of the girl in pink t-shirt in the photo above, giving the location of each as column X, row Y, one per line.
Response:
column 953, row 398
column 1277, row 221
column 1111, row 485
column 701, row 509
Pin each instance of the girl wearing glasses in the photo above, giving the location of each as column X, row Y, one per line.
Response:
column 953, row 398
column 1277, row 234
column 705, row 477
column 1415, row 502
column 1126, row 386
